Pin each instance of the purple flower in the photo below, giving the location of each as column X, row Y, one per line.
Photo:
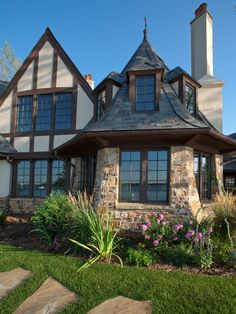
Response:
column 191, row 232
column 147, row 237
column 187, row 236
column 210, row 230
column 181, row 226
column 199, row 235
column 175, row 239
column 144, row 227
column 195, row 240
column 149, row 225
column 155, row 242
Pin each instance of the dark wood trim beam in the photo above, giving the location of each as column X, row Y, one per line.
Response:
column 54, row 68
column 51, row 90
column 35, row 74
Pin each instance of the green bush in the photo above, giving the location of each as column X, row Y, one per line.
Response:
column 178, row 255
column 139, row 257
column 103, row 241
column 3, row 215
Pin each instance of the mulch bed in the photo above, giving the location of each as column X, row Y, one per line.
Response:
column 17, row 231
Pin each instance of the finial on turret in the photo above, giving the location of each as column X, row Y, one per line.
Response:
column 145, row 31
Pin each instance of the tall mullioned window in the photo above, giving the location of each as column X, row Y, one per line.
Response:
column 23, row 178
column 145, row 93
column 144, row 176
column 24, row 114
column 43, row 113
column 63, row 112
column 58, row 176
column 202, row 170
column 101, row 101
column 190, row 98
column 40, row 178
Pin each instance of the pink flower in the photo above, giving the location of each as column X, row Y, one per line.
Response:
column 199, row 235
column 155, row 242
column 158, row 221
column 164, row 223
column 161, row 216
column 190, row 222
column 149, row 225
column 160, row 236
column 181, row 226
column 187, row 236
column 144, row 227
column 147, row 237
column 210, row 230
column 195, row 240
column 175, row 239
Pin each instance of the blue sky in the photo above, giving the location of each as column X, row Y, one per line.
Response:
column 100, row 36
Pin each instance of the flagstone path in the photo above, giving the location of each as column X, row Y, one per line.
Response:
column 122, row 305
column 11, row 279
column 52, row 297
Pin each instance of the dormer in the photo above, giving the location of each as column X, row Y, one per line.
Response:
column 185, row 87
column 105, row 92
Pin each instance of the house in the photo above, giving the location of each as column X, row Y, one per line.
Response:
column 230, row 169
column 147, row 137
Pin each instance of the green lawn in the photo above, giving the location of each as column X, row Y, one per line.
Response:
column 170, row 292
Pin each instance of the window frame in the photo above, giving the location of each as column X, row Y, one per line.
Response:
column 47, row 92
column 199, row 186
column 187, row 83
column 145, row 94
column 143, row 175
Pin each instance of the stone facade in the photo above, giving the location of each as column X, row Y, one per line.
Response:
column 21, row 205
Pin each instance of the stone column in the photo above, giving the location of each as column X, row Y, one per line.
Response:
column 184, row 198
column 106, row 185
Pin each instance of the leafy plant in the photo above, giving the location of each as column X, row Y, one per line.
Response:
column 139, row 257
column 3, row 215
column 103, row 241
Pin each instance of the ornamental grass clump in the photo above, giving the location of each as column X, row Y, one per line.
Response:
column 103, row 241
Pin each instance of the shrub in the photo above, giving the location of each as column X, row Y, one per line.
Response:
column 3, row 215
column 139, row 257
column 103, row 241
column 224, row 208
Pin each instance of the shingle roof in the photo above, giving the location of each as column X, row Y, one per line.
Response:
column 176, row 72
column 5, row 147
column 145, row 58
column 3, row 85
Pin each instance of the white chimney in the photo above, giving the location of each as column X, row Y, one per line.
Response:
column 210, row 94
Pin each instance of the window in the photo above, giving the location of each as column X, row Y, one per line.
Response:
column 101, row 103
column 230, row 183
column 144, row 176
column 23, row 178
column 202, row 174
column 43, row 113
column 40, row 178
column 32, row 181
column 130, row 176
column 190, row 98
column 63, row 114
column 88, row 172
column 157, row 175
column 58, row 176
column 145, row 93
column 57, row 106
column 24, row 114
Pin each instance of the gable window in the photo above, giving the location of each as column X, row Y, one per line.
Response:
column 24, row 114
column 190, row 98
column 63, row 113
column 23, row 178
column 43, row 113
column 145, row 93
column 101, row 101
column 56, row 108
column 144, row 176
column 202, row 174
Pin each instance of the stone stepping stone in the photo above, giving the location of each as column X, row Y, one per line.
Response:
column 122, row 305
column 11, row 279
column 50, row 298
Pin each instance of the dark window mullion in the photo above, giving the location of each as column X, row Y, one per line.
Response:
column 143, row 176
column 31, row 180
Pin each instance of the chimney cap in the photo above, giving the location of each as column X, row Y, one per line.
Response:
column 201, row 9
column 88, row 77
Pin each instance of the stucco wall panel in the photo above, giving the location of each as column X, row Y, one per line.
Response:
column 5, row 114
column 84, row 109
column 45, row 66
column 21, row 144
column 5, row 173
column 64, row 77
column 41, row 143
column 26, row 81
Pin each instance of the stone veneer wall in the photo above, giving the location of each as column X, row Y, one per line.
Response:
column 21, row 205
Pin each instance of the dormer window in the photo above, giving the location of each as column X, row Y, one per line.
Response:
column 190, row 98
column 145, row 93
column 101, row 101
